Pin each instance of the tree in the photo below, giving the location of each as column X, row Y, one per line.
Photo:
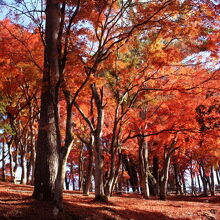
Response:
column 19, row 48
column 90, row 34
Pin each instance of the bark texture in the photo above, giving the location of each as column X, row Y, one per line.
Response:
column 47, row 157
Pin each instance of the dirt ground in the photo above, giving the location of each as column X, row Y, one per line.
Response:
column 16, row 203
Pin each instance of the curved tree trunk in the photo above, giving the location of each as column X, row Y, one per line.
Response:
column 63, row 155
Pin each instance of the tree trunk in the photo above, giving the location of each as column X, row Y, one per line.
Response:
column 120, row 186
column 113, row 151
column 193, row 191
column 212, row 189
column 33, row 150
column 116, row 174
column 3, row 162
column 23, row 169
column 204, row 180
column 168, row 151
column 89, row 169
column 178, row 182
column 199, row 185
column 181, row 183
column 80, row 168
column 155, row 182
column 15, row 161
column 99, row 184
column 127, row 186
column 28, row 171
column 132, row 172
column 113, row 177
column 12, row 174
column 48, row 141
column 73, row 182
column 98, row 147
column 59, row 184
column 67, row 182
column 144, row 167
column 164, row 177
column 164, row 181
column 63, row 155
column 217, row 176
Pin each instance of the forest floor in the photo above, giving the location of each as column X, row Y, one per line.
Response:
column 16, row 203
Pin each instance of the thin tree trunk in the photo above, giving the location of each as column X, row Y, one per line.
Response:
column 3, row 162
column 113, row 151
column 164, row 181
column 89, row 169
column 127, row 185
column 67, row 182
column 23, row 168
column 181, row 183
column 144, row 167
column 80, row 168
column 96, row 131
column 73, row 182
column 116, row 176
column 212, row 182
column 32, row 144
column 184, row 186
column 192, row 182
column 72, row 175
column 120, row 186
column 15, row 161
column 12, row 174
column 217, row 176
column 164, row 178
column 28, row 171
column 176, row 174
column 129, row 167
column 199, row 184
column 204, row 181
column 156, row 175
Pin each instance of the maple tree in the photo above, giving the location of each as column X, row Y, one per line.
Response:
column 117, row 76
column 19, row 105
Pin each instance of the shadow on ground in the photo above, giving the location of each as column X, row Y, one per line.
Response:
column 18, row 206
